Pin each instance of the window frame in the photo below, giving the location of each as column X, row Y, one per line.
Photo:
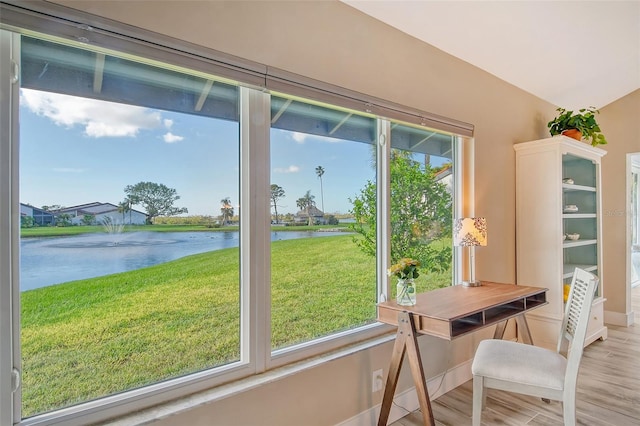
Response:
column 9, row 231
column 296, row 352
column 255, row 82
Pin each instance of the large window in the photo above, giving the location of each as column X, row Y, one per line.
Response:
column 322, row 283
column 134, row 279
column 171, row 229
column 422, row 194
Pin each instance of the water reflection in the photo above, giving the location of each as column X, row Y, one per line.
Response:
column 48, row 261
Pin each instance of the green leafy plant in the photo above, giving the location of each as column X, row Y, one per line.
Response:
column 584, row 121
column 421, row 212
column 406, row 268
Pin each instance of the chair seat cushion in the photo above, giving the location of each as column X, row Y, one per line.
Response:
column 520, row 363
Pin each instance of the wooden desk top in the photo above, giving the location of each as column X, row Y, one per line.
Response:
column 453, row 311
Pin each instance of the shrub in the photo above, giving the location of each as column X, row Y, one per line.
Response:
column 332, row 220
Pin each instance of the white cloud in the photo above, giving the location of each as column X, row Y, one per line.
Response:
column 68, row 170
column 167, row 123
column 290, row 169
column 302, row 138
column 171, row 138
column 299, row 137
column 99, row 118
column 330, row 140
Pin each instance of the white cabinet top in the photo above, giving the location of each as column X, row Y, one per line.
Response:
column 563, row 143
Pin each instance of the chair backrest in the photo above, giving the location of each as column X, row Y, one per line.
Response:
column 575, row 322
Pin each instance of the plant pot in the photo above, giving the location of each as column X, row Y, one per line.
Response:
column 573, row 133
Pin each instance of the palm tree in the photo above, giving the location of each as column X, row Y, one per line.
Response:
column 123, row 207
column 131, row 200
column 226, row 210
column 276, row 193
column 306, row 203
column 320, row 172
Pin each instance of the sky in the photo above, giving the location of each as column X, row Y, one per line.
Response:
column 77, row 150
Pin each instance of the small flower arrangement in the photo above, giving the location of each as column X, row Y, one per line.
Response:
column 406, row 268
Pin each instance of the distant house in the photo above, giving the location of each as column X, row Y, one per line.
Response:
column 316, row 214
column 40, row 217
column 103, row 212
column 445, row 176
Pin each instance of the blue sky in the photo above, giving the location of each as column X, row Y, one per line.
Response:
column 76, row 150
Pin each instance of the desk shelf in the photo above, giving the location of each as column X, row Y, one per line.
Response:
column 467, row 324
column 496, row 314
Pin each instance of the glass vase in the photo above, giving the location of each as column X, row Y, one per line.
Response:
column 406, row 292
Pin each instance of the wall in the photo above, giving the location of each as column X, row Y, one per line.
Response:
column 332, row 42
column 619, row 123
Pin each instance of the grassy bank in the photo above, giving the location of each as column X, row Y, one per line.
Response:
column 86, row 339
column 64, row 231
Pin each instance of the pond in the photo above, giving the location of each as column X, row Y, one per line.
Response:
column 48, row 261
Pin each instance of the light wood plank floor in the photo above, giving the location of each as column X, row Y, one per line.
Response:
column 608, row 390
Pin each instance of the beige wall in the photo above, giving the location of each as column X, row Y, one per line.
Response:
column 620, row 123
column 332, row 42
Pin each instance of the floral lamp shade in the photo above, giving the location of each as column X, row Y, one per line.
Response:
column 470, row 232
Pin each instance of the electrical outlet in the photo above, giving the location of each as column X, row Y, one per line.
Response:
column 377, row 381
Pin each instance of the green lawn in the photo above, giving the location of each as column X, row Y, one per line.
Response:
column 86, row 339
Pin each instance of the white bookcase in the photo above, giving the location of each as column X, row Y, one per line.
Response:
column 552, row 174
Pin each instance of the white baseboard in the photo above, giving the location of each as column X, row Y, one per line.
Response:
column 619, row 319
column 407, row 401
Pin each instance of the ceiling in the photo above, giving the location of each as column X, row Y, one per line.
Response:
column 572, row 54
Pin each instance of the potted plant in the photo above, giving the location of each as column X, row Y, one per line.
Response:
column 584, row 121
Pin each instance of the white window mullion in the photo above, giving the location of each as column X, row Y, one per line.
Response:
column 255, row 227
column 464, row 198
column 459, row 170
column 9, row 230
column 383, row 210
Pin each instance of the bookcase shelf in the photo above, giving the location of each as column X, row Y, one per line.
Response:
column 544, row 257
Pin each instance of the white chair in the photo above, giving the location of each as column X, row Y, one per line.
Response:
column 535, row 371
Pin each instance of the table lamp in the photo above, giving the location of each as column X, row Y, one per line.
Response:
column 470, row 232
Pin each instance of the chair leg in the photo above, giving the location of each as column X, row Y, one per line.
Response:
column 479, row 399
column 569, row 412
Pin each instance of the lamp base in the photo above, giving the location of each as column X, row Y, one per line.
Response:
column 471, row 283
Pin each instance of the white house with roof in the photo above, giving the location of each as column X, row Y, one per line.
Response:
column 40, row 217
column 316, row 214
column 103, row 212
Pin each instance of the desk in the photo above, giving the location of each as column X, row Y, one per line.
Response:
column 449, row 313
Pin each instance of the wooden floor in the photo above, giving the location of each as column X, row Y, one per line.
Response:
column 608, row 390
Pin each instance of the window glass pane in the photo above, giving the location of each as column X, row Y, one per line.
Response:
column 422, row 185
column 129, row 185
column 323, row 277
